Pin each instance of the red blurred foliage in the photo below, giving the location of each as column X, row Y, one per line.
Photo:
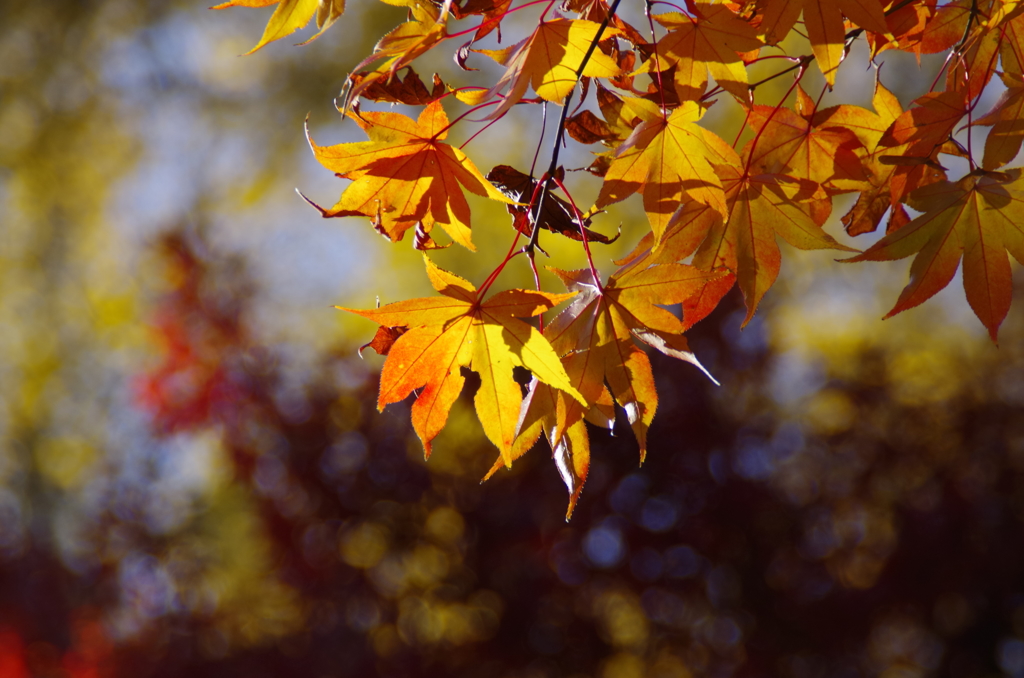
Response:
column 12, row 654
column 91, row 654
column 191, row 386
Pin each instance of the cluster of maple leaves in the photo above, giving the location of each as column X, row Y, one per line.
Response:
column 707, row 201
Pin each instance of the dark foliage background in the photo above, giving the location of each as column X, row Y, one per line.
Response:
column 194, row 480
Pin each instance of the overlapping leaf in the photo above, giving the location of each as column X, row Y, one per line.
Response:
column 981, row 31
column 877, row 198
column 601, row 322
column 404, row 175
column 759, row 208
column 664, row 158
column 621, row 117
column 977, row 219
column 556, row 216
column 597, row 334
column 823, row 20
column 709, row 41
column 704, row 201
column 426, row 27
column 548, row 60
column 546, row 411
column 1007, row 120
column 458, row 329
column 907, row 26
column 905, row 157
column 828, row 154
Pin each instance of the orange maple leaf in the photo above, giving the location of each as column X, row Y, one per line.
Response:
column 291, row 15
column 404, row 174
column 914, row 140
column 794, row 144
column 709, row 41
column 883, row 194
column 458, row 329
column 598, row 334
column 978, row 218
column 548, row 60
column 824, row 22
column 907, row 25
column 760, row 207
column 1007, row 119
column 602, row 322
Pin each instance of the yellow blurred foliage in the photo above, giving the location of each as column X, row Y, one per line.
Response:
column 65, row 461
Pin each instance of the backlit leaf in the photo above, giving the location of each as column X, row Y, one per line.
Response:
column 459, row 330
column 665, row 158
column 548, row 61
column 405, row 175
column 978, row 219
column 292, row 15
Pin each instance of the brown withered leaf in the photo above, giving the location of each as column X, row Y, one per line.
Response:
column 587, row 128
column 384, row 339
column 557, row 215
column 409, row 90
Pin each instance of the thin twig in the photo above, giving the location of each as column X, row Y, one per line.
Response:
column 560, row 133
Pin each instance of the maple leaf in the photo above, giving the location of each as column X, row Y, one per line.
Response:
column 709, row 41
column 907, row 25
column 426, row 27
column 598, row 330
column 665, row 157
column 1011, row 51
column 796, row 145
column 597, row 10
column 493, row 11
column 1007, row 120
column 978, row 219
column 994, row 28
column 409, row 90
column 548, row 411
column 404, row 175
column 600, row 324
column 548, row 60
column 292, row 15
column 759, row 208
column 883, row 194
column 823, row 20
column 621, row 117
column 458, row 329
column 913, row 141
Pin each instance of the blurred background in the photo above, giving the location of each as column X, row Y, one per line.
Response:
column 194, row 480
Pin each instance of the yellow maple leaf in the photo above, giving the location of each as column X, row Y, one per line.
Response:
column 548, row 60
column 664, row 158
column 405, row 174
column 292, row 15
column 709, row 42
column 823, row 20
